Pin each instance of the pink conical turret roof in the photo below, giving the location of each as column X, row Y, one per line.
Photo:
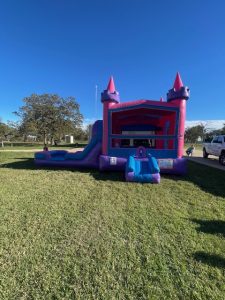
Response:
column 110, row 94
column 111, row 86
column 178, row 82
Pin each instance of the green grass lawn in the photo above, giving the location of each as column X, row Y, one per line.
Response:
column 35, row 146
column 66, row 234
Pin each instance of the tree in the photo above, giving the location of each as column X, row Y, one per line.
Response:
column 210, row 134
column 49, row 116
column 192, row 134
column 81, row 134
column 223, row 129
column 13, row 130
column 4, row 132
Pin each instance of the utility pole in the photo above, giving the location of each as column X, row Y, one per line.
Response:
column 96, row 99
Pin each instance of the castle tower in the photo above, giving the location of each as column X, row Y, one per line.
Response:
column 178, row 95
column 108, row 97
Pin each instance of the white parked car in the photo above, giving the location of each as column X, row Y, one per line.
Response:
column 216, row 148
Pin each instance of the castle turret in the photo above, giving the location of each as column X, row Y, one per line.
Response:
column 108, row 97
column 110, row 94
column 179, row 91
column 178, row 95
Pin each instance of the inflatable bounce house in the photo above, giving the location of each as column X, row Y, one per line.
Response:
column 143, row 138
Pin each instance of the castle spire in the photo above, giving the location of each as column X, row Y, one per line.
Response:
column 178, row 82
column 111, row 86
column 110, row 94
column 179, row 91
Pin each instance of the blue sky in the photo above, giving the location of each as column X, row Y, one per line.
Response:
column 69, row 46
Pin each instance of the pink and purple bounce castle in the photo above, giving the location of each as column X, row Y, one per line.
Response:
column 142, row 137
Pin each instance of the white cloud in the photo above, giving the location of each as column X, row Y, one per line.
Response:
column 209, row 124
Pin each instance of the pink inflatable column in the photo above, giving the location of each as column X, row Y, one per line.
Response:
column 108, row 97
column 105, row 129
column 178, row 96
column 181, row 128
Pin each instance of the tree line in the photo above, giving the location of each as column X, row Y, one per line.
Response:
column 48, row 118
column 45, row 118
column 200, row 133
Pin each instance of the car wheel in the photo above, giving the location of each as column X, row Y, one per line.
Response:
column 222, row 159
column 205, row 154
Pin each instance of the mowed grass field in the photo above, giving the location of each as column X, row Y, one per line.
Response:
column 68, row 234
column 29, row 147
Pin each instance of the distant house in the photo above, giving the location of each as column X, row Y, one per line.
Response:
column 69, row 139
column 32, row 137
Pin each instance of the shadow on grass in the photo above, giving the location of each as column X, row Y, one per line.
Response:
column 20, row 163
column 109, row 176
column 208, row 179
column 24, row 163
column 212, row 260
column 216, row 227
